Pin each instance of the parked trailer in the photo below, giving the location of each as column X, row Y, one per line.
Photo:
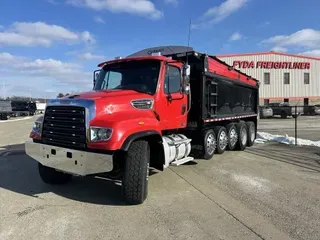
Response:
column 5, row 109
column 146, row 110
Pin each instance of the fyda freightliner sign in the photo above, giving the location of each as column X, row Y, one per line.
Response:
column 271, row 65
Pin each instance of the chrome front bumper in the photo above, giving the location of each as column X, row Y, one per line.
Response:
column 68, row 160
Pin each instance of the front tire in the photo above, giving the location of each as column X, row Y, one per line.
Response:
column 136, row 173
column 52, row 176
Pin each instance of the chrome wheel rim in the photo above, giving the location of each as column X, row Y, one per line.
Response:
column 223, row 140
column 233, row 137
column 211, row 144
column 244, row 136
column 253, row 134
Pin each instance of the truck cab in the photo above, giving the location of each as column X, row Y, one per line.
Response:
column 140, row 115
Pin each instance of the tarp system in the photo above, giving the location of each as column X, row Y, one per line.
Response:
column 164, row 50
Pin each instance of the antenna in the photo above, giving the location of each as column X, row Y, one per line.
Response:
column 189, row 33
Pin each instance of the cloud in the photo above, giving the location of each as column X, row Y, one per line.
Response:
column 263, row 24
column 43, row 69
column 305, row 38
column 90, row 56
column 98, row 19
column 137, row 7
column 54, row 2
column 87, row 37
column 174, row 2
column 218, row 13
column 279, row 49
column 1, row 27
column 235, row 36
column 311, row 53
column 41, row 34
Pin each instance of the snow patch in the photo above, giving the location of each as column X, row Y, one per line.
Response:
column 263, row 137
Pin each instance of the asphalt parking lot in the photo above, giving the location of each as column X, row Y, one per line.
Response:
column 269, row 191
column 308, row 126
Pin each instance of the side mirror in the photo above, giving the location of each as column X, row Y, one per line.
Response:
column 186, row 70
column 95, row 76
column 186, row 89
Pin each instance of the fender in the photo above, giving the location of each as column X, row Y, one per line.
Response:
column 131, row 138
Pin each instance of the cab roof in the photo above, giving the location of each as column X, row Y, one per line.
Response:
column 158, row 58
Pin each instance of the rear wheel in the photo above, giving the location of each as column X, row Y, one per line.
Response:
column 209, row 144
column 222, row 139
column 284, row 115
column 251, row 133
column 232, row 136
column 52, row 176
column 243, row 136
column 136, row 173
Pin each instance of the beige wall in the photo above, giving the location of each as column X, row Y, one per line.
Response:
column 277, row 90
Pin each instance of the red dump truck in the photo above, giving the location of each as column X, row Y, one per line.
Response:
column 151, row 109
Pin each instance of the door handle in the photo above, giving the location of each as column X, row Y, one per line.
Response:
column 183, row 109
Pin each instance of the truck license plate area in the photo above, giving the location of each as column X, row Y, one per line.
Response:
column 59, row 153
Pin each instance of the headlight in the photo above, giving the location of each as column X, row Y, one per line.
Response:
column 100, row 134
column 37, row 125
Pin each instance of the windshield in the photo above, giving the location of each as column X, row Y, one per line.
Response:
column 140, row 76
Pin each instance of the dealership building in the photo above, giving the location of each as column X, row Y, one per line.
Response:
column 283, row 77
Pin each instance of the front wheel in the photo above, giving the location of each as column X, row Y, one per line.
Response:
column 136, row 173
column 52, row 176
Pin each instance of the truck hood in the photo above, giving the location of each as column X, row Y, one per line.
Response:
column 102, row 94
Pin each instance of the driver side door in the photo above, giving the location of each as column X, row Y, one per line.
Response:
column 173, row 113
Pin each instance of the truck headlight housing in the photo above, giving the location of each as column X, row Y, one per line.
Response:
column 37, row 126
column 100, row 134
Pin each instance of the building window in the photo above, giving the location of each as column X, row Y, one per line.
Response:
column 266, row 78
column 286, row 78
column 306, row 78
column 266, row 102
column 286, row 100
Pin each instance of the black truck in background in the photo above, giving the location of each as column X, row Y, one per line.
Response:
column 23, row 108
column 5, row 110
column 16, row 108
column 284, row 110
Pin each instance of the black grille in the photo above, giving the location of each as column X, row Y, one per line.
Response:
column 64, row 126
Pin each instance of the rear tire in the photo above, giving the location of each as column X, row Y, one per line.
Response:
column 243, row 136
column 251, row 133
column 209, row 144
column 52, row 176
column 232, row 136
column 136, row 173
column 222, row 139
column 284, row 115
